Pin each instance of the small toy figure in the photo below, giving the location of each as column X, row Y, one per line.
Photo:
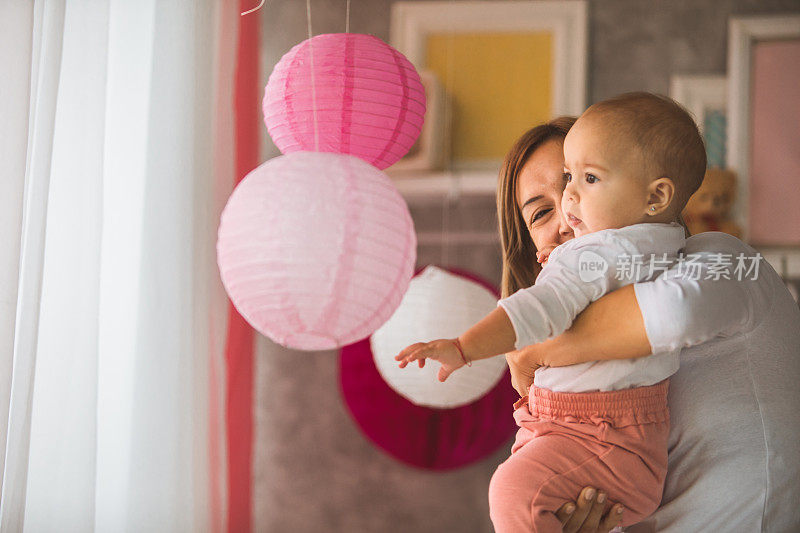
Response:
column 708, row 208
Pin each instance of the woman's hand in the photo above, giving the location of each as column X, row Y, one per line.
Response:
column 522, row 364
column 442, row 350
column 587, row 514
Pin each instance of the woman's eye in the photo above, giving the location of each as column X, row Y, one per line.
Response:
column 591, row 178
column 539, row 214
column 567, row 176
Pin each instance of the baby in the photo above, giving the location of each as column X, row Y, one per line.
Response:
column 631, row 164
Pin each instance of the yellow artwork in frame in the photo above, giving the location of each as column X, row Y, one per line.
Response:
column 499, row 84
column 505, row 66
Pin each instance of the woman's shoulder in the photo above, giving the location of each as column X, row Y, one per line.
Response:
column 720, row 250
column 716, row 241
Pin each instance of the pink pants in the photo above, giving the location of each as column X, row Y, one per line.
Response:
column 615, row 441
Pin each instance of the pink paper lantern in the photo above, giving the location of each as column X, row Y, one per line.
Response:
column 369, row 100
column 316, row 249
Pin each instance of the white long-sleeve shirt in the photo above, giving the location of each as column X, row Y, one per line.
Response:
column 579, row 272
column 734, row 457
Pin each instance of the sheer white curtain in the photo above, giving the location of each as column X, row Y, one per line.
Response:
column 116, row 154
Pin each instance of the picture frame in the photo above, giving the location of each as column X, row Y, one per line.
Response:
column 700, row 93
column 743, row 34
column 706, row 98
column 431, row 150
column 565, row 21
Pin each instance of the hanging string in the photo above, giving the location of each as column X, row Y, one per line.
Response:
column 313, row 84
column 455, row 184
column 347, row 19
column 254, row 9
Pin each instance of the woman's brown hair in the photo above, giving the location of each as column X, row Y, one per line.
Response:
column 520, row 266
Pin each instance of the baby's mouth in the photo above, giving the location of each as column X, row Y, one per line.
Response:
column 573, row 221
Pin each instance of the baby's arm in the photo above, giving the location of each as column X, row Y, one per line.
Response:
column 547, row 309
column 535, row 313
column 493, row 335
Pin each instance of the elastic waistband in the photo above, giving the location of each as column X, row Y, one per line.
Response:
column 637, row 405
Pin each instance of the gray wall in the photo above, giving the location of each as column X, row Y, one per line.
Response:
column 633, row 44
column 315, row 471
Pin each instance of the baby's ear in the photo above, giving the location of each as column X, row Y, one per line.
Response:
column 661, row 193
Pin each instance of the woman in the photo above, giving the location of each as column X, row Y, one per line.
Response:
column 734, row 402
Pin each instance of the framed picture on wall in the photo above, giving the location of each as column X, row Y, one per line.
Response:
column 706, row 97
column 763, row 117
column 505, row 66
column 430, row 151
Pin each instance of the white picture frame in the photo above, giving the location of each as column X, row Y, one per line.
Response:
column 566, row 19
column 743, row 33
column 699, row 93
column 706, row 98
column 430, row 152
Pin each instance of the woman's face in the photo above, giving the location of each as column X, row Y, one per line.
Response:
column 540, row 185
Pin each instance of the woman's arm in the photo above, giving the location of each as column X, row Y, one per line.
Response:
column 676, row 310
column 610, row 328
column 562, row 290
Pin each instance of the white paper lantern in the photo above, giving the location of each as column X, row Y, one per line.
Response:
column 316, row 249
column 437, row 305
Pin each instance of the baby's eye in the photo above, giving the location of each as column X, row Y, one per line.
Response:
column 567, row 176
column 591, row 178
column 539, row 214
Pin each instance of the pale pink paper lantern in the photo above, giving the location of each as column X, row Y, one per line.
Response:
column 316, row 249
column 368, row 99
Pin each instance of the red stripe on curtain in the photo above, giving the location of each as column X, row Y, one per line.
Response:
column 239, row 345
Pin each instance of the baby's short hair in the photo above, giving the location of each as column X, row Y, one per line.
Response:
column 665, row 133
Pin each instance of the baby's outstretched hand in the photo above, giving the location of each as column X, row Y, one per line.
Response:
column 442, row 350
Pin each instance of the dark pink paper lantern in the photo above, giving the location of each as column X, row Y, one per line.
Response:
column 368, row 98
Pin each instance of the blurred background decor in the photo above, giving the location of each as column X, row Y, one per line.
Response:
column 709, row 207
column 706, row 97
column 763, row 135
column 763, row 118
column 749, row 120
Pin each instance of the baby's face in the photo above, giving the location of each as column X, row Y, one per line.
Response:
column 605, row 183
